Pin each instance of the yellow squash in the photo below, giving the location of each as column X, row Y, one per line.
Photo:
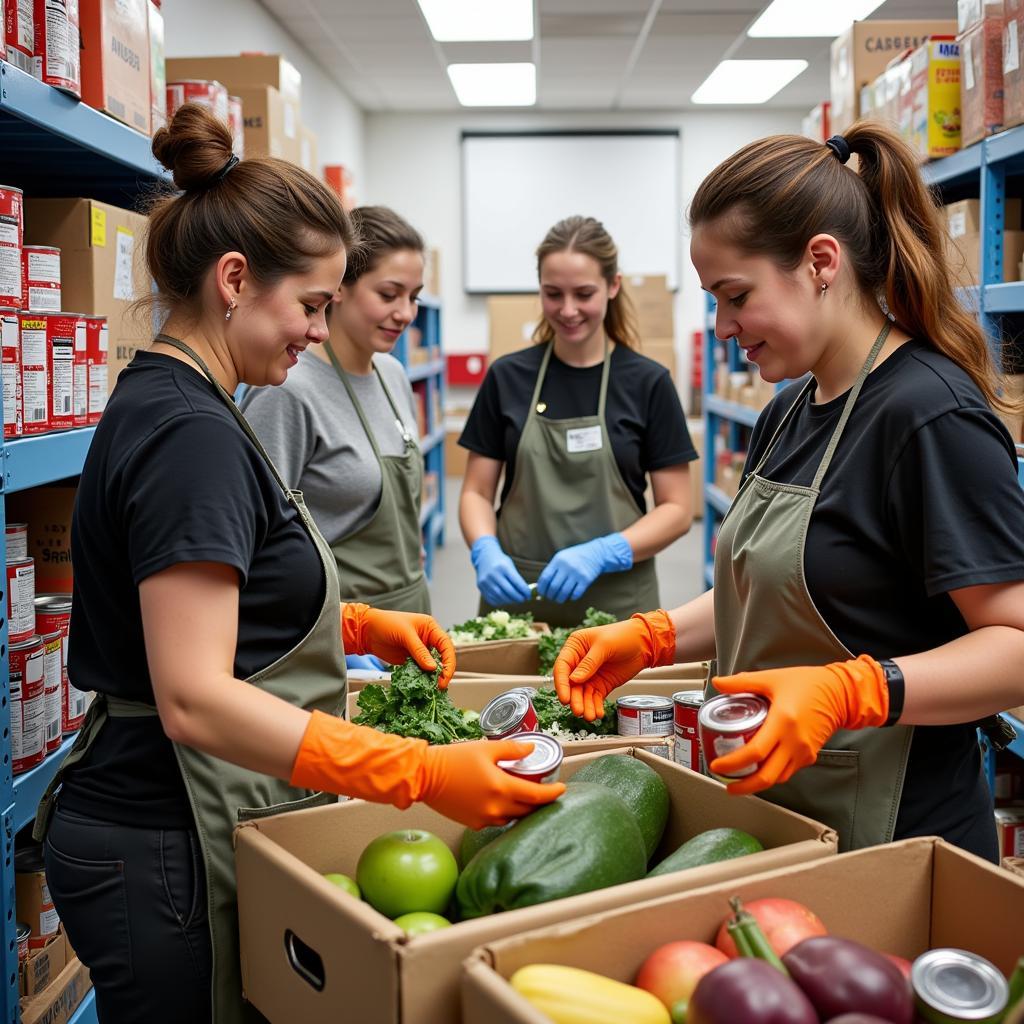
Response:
column 571, row 996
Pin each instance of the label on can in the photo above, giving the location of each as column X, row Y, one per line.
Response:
column 23, row 933
column 21, row 598
column 41, row 278
column 686, row 706
column 61, row 344
column 55, row 49
column 208, row 93
column 80, row 388
column 728, row 722
column 35, row 375
column 507, row 713
column 97, row 343
column 53, row 688
column 642, row 715
column 10, row 336
column 28, row 704
column 16, row 537
column 11, row 239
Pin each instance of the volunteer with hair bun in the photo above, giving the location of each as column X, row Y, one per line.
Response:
column 206, row 609
column 869, row 576
column 578, row 424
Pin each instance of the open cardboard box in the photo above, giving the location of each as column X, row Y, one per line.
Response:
column 58, row 1001
column 519, row 657
column 902, row 898
column 313, row 953
column 684, row 670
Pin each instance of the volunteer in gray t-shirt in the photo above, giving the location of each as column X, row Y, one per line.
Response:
column 342, row 429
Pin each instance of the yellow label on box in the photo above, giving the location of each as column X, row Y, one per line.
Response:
column 935, row 88
column 99, row 227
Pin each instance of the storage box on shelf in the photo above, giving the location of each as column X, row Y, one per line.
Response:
column 981, row 78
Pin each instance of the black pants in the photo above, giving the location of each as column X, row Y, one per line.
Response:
column 133, row 905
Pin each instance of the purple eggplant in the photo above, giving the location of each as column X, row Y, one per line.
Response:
column 841, row 976
column 858, row 1018
column 748, row 991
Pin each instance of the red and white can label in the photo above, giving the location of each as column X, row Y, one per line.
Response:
column 97, row 344
column 55, row 51
column 20, row 33
column 28, row 704
column 21, row 599
column 16, row 537
column 75, row 704
column 10, row 336
column 686, row 705
column 194, row 90
column 40, row 278
column 60, row 352
column 35, row 375
column 80, row 379
column 53, row 688
column 11, row 240
column 643, row 715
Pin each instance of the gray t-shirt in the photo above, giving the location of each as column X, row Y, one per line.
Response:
column 312, row 432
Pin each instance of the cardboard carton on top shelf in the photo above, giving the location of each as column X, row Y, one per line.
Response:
column 661, row 350
column 270, row 130
column 357, row 964
column 653, row 303
column 115, row 60
column 934, row 101
column 964, row 254
column 1013, row 73
column 512, row 320
column 970, row 12
column 981, row 79
column 964, row 217
column 862, row 52
column 902, row 898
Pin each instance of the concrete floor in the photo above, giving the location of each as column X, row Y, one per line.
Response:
column 453, row 592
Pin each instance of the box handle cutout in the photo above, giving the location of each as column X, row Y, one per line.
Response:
column 305, row 961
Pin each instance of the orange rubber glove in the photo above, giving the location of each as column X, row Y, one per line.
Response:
column 461, row 781
column 808, row 704
column 395, row 636
column 594, row 661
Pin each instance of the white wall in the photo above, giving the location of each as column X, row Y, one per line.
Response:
column 413, row 165
column 208, row 28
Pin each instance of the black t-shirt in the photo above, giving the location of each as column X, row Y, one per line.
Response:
column 171, row 477
column 645, row 421
column 921, row 498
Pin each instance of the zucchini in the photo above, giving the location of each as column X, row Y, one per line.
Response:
column 708, row 848
column 475, row 839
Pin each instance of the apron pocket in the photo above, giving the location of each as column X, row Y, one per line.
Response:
column 285, row 807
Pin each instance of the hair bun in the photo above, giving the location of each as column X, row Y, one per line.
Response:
column 193, row 146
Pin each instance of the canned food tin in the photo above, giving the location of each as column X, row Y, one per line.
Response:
column 542, row 764
column 507, row 713
column 21, row 598
column 20, row 34
column 10, row 337
column 53, row 615
column 97, row 342
column 643, row 715
column 23, row 933
column 12, row 235
column 193, row 90
column 16, row 536
column 35, row 373
column 28, row 708
column 61, row 333
column 53, row 688
column 80, row 375
column 40, row 278
column 35, row 904
column 236, row 123
column 686, row 708
column 955, row 985
column 728, row 722
column 55, row 57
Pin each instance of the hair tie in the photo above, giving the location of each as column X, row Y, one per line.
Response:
column 224, row 171
column 840, row 147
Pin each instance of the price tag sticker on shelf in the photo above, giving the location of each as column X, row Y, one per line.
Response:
column 124, row 286
column 99, row 227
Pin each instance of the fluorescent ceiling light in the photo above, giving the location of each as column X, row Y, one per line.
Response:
column 469, row 21
column 494, row 85
column 810, row 17
column 747, row 81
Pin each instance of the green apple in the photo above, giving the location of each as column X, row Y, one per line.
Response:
column 344, row 882
column 405, row 871
column 419, row 923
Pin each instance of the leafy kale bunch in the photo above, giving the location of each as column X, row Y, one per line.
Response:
column 552, row 714
column 413, row 706
column 496, row 625
column 550, row 644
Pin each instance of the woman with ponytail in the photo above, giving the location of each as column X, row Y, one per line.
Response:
column 869, row 577
column 578, row 424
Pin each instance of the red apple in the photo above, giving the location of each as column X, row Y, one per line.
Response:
column 672, row 971
column 784, row 923
column 901, row 963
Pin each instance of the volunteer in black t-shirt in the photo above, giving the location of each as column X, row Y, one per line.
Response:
column 577, row 423
column 869, row 577
column 206, row 611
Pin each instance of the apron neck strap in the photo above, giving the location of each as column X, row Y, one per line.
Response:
column 543, row 372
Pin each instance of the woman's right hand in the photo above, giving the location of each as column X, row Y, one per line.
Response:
column 594, row 661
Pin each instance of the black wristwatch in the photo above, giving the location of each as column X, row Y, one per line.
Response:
column 897, row 690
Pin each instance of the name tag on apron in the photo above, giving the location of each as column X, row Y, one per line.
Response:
column 583, row 439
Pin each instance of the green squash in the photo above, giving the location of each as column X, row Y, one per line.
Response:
column 708, row 848
column 475, row 839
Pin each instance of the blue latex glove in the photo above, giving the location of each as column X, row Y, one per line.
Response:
column 497, row 578
column 567, row 576
column 366, row 662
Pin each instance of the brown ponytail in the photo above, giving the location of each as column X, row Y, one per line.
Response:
column 588, row 235
column 783, row 190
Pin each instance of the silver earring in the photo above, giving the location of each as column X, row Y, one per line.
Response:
column 231, row 309
column 824, row 287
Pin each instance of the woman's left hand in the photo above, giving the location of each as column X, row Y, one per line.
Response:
column 568, row 575
column 395, row 636
column 807, row 705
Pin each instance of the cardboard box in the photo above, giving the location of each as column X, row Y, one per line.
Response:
column 653, row 303
column 455, row 456
column 269, row 129
column 505, row 657
column 308, row 157
column 902, row 898
column 512, row 319
column 861, row 54
column 47, row 510
column 682, row 671
column 970, row 12
column 964, row 217
column 56, row 1004
column 964, row 255
column 1014, row 864
column 44, row 965
column 981, row 79
column 310, row 951
column 1013, row 387
column 1013, row 73
column 157, row 69
column 103, row 266
column 661, row 350
column 432, row 271
column 115, row 61
column 816, row 124
column 935, row 98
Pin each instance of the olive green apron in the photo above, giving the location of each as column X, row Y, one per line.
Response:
column 567, row 490
column 765, row 618
column 379, row 562
column 311, row 676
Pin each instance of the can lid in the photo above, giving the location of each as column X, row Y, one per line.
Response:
column 530, row 691
column 47, row 248
column 7, row 310
column 24, row 931
column 15, row 527
column 50, row 637
column 53, row 602
column 504, row 712
column 734, row 712
column 545, row 756
column 962, row 984
column 644, row 701
column 33, row 641
column 689, row 697
column 19, row 561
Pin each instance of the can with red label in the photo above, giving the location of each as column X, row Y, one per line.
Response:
column 16, row 538
column 1010, row 830
column 34, row 902
column 542, row 764
column 508, row 713
column 12, row 237
column 55, row 53
column 19, row 23
column 97, row 342
column 53, row 615
column 35, row 373
column 21, row 599
column 194, row 90
column 643, row 715
column 728, row 722
column 53, row 688
column 28, row 704
column 686, row 707
column 10, row 336
column 23, row 933
column 40, row 278
column 236, row 123
column 61, row 330
column 80, row 374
